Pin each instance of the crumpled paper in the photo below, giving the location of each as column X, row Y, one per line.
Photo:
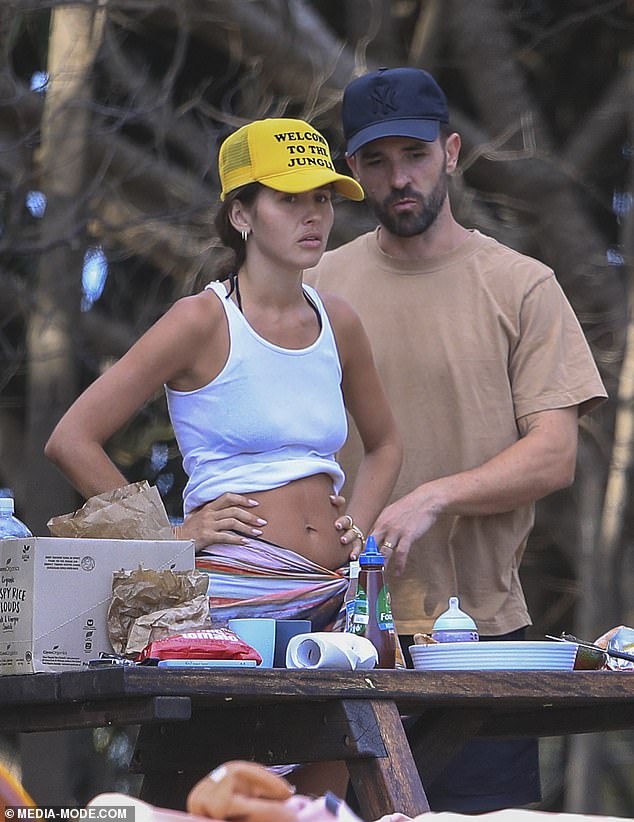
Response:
column 148, row 605
column 135, row 511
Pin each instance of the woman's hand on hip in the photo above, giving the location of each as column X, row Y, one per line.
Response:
column 219, row 520
column 351, row 534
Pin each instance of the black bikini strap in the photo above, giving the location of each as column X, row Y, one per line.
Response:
column 234, row 285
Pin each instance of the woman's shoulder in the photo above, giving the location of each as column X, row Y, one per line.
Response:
column 191, row 323
column 198, row 309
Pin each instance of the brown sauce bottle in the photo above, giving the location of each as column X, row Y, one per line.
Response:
column 372, row 617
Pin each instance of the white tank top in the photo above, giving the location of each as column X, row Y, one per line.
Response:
column 272, row 415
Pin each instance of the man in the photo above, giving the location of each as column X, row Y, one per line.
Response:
column 487, row 371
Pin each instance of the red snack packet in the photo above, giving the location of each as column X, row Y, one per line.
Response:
column 212, row 643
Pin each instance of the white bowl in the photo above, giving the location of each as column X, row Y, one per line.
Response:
column 495, row 656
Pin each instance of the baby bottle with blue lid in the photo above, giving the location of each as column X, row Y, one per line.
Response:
column 453, row 625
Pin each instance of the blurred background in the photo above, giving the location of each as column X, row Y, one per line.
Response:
column 111, row 113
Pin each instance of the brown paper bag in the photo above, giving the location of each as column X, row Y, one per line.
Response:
column 148, row 605
column 191, row 616
column 135, row 511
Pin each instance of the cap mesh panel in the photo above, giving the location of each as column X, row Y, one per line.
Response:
column 236, row 155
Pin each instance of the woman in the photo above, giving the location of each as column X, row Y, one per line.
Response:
column 259, row 372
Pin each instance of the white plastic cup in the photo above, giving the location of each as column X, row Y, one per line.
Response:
column 259, row 634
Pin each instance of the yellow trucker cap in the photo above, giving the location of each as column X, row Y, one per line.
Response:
column 284, row 154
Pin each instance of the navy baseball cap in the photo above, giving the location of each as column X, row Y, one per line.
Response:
column 398, row 102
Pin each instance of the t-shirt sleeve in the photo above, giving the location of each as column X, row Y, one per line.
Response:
column 551, row 365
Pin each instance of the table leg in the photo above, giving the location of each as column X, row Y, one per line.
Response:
column 387, row 784
column 367, row 734
column 435, row 737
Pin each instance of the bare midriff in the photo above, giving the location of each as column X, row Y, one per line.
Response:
column 300, row 516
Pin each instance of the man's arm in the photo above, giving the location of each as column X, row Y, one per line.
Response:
column 540, row 462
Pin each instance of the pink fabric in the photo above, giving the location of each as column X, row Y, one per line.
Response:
column 264, row 580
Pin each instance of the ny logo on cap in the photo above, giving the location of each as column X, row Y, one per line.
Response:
column 382, row 98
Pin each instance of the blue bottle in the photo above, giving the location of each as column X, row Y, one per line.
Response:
column 10, row 526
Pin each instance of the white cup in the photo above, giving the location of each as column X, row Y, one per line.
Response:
column 259, row 634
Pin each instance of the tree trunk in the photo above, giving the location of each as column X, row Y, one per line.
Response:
column 74, row 39
column 583, row 774
column 75, row 35
column 602, row 585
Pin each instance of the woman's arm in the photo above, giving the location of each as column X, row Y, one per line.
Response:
column 163, row 354
column 186, row 348
column 367, row 403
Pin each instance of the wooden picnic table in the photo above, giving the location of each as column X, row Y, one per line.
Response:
column 191, row 720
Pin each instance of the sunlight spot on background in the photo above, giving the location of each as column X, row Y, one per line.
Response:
column 165, row 483
column 614, row 258
column 159, row 457
column 94, row 274
column 158, row 460
column 36, row 203
column 622, row 203
column 39, row 81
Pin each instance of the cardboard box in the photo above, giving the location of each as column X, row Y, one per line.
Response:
column 55, row 592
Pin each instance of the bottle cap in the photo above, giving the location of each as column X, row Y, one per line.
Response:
column 453, row 619
column 6, row 505
column 371, row 554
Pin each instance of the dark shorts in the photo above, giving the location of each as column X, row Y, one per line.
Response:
column 488, row 774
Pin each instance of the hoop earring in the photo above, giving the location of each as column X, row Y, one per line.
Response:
column 244, row 234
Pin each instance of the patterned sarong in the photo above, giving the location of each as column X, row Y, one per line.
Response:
column 262, row 579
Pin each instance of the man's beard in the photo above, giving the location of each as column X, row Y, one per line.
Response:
column 415, row 222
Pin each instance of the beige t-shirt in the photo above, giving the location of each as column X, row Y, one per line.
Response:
column 465, row 343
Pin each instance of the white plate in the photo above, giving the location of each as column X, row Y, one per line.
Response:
column 495, row 656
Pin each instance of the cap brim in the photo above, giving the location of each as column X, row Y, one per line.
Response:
column 297, row 181
column 419, row 129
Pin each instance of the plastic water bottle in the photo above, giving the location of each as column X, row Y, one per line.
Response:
column 372, row 617
column 10, row 526
column 453, row 625
column 351, row 593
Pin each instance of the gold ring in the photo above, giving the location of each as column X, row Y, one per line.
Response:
column 387, row 544
column 358, row 532
column 347, row 516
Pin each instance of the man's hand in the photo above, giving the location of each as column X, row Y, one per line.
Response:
column 400, row 525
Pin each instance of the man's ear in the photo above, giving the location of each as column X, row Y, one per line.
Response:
column 351, row 159
column 452, row 151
